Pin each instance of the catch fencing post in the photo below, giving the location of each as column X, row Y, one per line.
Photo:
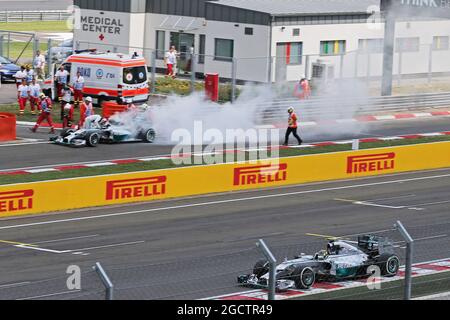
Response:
column 272, row 269
column 109, row 287
column 9, row 43
column 36, row 45
column 193, row 62
column 409, row 256
column 49, row 56
column 2, row 39
column 307, row 73
column 430, row 64
column 153, row 71
column 233, row 80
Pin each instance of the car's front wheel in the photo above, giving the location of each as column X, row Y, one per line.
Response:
column 93, row 139
column 304, row 277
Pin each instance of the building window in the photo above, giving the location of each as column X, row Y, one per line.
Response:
column 296, row 32
column 249, row 31
column 201, row 49
column 440, row 43
column 224, row 49
column 160, row 44
column 408, row 44
column 334, row 47
column 371, row 45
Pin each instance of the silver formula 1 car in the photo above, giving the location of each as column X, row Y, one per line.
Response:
column 112, row 131
column 342, row 260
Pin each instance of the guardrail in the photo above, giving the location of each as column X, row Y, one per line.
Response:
column 320, row 107
column 26, row 16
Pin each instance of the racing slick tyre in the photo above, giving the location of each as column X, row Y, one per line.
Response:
column 149, row 136
column 261, row 268
column 92, row 139
column 389, row 265
column 304, row 277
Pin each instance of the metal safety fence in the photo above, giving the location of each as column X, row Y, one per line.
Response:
column 423, row 68
column 26, row 16
column 423, row 253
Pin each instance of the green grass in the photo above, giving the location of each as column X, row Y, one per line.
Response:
column 165, row 164
column 36, row 26
column 56, row 112
column 16, row 50
column 183, row 88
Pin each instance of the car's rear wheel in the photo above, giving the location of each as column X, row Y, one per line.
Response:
column 149, row 136
column 391, row 266
column 92, row 139
column 261, row 268
column 304, row 277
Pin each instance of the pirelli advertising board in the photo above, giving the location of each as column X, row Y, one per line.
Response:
column 30, row 198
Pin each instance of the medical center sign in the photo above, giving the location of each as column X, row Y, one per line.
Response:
column 103, row 26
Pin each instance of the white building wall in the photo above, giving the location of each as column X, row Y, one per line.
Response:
column 252, row 52
column 361, row 64
column 245, row 46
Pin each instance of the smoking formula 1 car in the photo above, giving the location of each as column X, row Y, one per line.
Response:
column 340, row 261
column 107, row 132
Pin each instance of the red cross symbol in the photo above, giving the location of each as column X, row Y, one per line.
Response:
column 101, row 37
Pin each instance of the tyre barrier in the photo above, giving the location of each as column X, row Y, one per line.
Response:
column 109, row 108
column 7, row 127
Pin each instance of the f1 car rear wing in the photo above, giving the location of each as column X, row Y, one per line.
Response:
column 375, row 245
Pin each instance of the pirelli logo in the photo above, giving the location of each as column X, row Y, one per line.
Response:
column 260, row 175
column 371, row 163
column 16, row 201
column 136, row 188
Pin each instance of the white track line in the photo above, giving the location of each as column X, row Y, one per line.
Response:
column 202, row 204
column 49, row 295
column 66, row 239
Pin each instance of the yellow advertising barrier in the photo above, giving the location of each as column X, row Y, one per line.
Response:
column 59, row 195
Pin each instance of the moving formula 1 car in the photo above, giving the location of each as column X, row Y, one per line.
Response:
column 102, row 131
column 340, row 261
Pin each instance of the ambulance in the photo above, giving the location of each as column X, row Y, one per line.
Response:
column 108, row 76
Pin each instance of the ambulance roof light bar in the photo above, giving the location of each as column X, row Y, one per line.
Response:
column 86, row 51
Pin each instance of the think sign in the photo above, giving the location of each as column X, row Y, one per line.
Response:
column 413, row 8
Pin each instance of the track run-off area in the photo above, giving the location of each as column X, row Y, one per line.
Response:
column 194, row 248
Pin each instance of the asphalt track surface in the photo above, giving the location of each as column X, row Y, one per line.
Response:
column 42, row 153
column 34, row 5
column 131, row 241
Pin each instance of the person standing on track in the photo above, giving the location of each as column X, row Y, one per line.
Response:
column 68, row 110
column 30, row 74
column 66, row 98
column 35, row 92
column 292, row 127
column 61, row 81
column 86, row 110
column 24, row 96
column 45, row 104
column 20, row 75
column 78, row 86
